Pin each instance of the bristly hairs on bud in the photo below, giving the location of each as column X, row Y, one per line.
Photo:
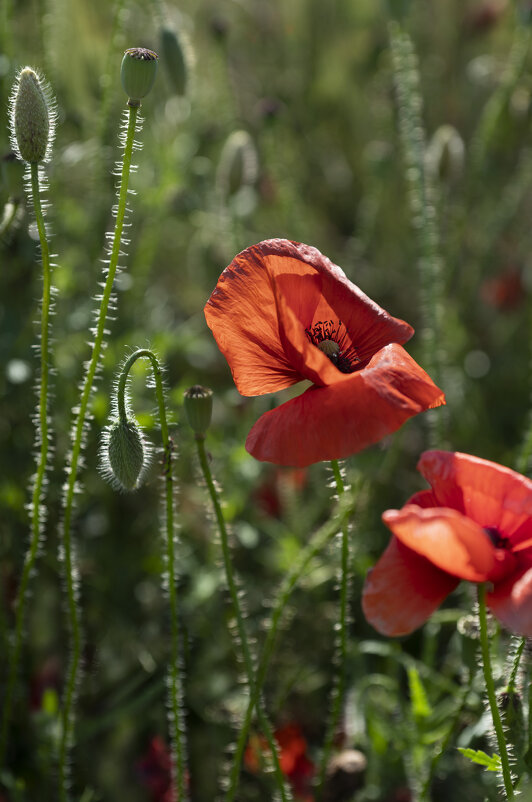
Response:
column 125, row 452
column 32, row 117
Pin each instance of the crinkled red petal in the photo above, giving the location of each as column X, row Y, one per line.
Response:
column 243, row 314
column 403, row 590
column 451, row 541
column 488, row 493
column 336, row 421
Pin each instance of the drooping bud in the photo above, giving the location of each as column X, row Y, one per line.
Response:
column 32, row 117
column 238, row 166
column 126, row 453
column 138, row 71
column 176, row 57
column 198, row 408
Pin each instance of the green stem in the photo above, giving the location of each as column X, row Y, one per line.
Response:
column 490, row 690
column 318, row 542
column 43, row 438
column 233, row 591
column 75, row 458
column 340, row 679
column 177, row 724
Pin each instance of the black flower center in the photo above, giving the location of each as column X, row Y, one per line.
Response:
column 331, row 338
column 498, row 540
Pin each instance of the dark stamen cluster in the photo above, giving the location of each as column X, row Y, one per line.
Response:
column 347, row 358
column 498, row 540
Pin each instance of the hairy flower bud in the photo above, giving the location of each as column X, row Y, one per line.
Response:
column 138, row 71
column 175, row 55
column 32, row 117
column 126, row 453
column 198, row 408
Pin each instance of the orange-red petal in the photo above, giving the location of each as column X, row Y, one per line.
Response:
column 403, row 590
column 511, row 602
column 338, row 420
column 243, row 314
column 489, row 494
column 451, row 541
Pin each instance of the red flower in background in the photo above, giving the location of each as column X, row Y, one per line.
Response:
column 282, row 313
column 295, row 765
column 474, row 524
column 155, row 770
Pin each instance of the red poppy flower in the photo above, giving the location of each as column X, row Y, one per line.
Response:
column 282, row 313
column 294, row 763
column 475, row 524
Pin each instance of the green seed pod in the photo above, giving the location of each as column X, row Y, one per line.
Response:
column 32, row 117
column 126, row 452
column 175, row 55
column 198, row 408
column 138, row 71
column 238, row 166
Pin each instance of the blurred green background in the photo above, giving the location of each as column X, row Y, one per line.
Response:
column 288, row 128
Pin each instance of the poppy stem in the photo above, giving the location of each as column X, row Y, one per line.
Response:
column 317, row 543
column 490, row 690
column 338, row 692
column 248, row 659
column 37, row 508
column 75, row 458
column 175, row 713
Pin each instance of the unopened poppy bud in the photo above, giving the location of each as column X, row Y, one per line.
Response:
column 126, row 453
column 32, row 117
column 198, row 408
column 238, row 165
column 138, row 71
column 175, row 54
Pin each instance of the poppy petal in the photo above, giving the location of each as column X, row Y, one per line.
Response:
column 403, row 590
column 511, row 602
column 243, row 317
column 338, row 420
column 490, row 494
column 450, row 541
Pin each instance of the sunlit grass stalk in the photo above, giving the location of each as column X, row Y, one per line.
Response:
column 320, row 539
column 490, row 691
column 339, row 686
column 37, row 508
column 248, row 659
column 75, row 457
column 423, row 212
column 177, row 726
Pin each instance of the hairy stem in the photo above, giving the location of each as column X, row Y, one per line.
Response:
column 490, row 690
column 75, row 456
column 177, row 724
column 233, row 591
column 318, row 542
column 43, row 440
column 340, row 679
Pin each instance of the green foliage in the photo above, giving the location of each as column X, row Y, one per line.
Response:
column 306, row 95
